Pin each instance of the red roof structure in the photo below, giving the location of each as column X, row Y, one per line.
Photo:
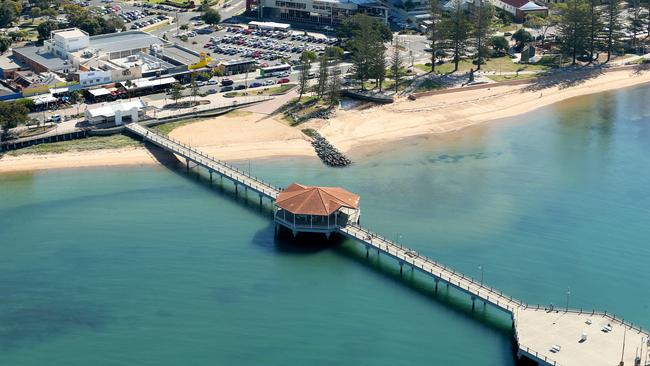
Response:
column 316, row 201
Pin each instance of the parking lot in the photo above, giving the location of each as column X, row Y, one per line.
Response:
column 262, row 45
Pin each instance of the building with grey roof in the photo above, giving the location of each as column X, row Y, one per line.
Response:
column 326, row 12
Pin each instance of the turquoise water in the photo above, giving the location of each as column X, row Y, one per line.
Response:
column 147, row 266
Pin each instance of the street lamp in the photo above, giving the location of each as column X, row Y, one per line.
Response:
column 481, row 268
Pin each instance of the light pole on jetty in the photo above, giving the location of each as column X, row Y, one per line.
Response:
column 568, row 293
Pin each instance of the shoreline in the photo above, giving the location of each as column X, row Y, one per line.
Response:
column 254, row 136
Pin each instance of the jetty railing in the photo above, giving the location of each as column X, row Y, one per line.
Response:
column 211, row 163
column 433, row 268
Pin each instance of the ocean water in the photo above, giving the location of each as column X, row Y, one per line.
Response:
column 150, row 266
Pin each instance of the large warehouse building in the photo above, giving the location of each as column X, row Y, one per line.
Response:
column 326, row 12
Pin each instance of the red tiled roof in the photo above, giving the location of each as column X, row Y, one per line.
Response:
column 516, row 3
column 308, row 200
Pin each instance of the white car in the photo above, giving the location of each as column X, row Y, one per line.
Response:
column 269, row 82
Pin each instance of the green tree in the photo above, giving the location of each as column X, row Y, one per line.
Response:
column 194, row 87
column 176, row 92
column 211, row 16
column 500, row 44
column 308, row 55
column 13, row 114
column 323, row 75
column 613, row 26
column 542, row 23
column 457, row 27
column 5, row 43
column 49, row 13
column 355, row 24
column 574, row 28
column 482, row 15
column 396, row 64
column 34, row 13
column 365, row 45
column 378, row 64
column 522, row 36
column 45, row 29
column 596, row 28
column 434, row 33
column 334, row 86
column 9, row 11
column 334, row 52
column 303, row 77
column 635, row 22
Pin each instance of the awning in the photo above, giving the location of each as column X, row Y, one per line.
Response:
column 43, row 99
column 99, row 92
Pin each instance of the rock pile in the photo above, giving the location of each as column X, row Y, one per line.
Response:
column 327, row 153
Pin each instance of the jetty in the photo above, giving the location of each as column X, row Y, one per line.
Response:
column 545, row 335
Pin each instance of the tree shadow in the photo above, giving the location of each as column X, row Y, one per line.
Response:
column 565, row 78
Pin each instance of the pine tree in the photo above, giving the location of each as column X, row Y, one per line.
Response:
column 635, row 21
column 482, row 15
column 596, row 28
column 396, row 64
column 322, row 76
column 574, row 28
column 434, row 33
column 457, row 28
column 613, row 26
column 303, row 80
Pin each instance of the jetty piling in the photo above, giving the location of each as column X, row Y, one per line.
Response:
column 540, row 334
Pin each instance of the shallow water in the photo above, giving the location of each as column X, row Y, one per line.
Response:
column 148, row 266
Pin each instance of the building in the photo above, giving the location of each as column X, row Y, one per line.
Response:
column 301, row 208
column 520, row 8
column 327, row 12
column 108, row 58
column 119, row 113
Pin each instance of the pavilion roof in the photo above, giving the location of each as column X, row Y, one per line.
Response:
column 310, row 200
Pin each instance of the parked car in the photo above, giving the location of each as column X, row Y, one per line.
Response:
column 240, row 87
column 54, row 118
column 269, row 82
column 226, row 82
column 255, row 85
column 211, row 91
column 226, row 89
column 283, row 81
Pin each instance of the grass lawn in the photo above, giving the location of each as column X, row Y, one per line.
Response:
column 428, row 85
column 511, row 77
column 90, row 143
column 387, row 85
column 166, row 128
column 422, row 67
column 497, row 64
column 280, row 89
column 296, row 112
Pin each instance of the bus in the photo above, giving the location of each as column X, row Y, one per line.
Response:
column 276, row 70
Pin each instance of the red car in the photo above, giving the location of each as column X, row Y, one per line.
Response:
column 283, row 81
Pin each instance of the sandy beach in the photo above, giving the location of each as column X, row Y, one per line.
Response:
column 247, row 135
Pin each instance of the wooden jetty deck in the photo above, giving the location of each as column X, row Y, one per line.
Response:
column 211, row 164
column 548, row 336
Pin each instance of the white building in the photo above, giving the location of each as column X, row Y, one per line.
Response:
column 64, row 41
column 117, row 112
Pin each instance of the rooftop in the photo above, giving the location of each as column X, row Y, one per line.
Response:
column 180, row 55
column 70, row 33
column 317, row 201
column 109, row 109
column 114, row 42
column 39, row 55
